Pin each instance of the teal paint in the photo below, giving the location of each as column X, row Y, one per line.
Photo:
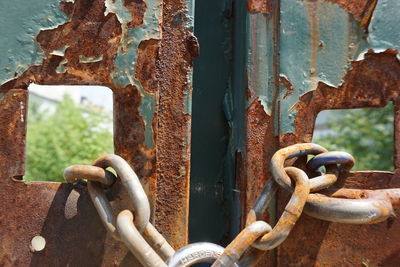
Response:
column 212, row 164
column 259, row 60
column 384, row 30
column 318, row 41
column 124, row 72
column 190, row 14
column 60, row 52
column 61, row 67
column 83, row 59
column 20, row 22
column 188, row 94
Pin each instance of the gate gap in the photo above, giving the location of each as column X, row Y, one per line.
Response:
column 367, row 134
column 66, row 125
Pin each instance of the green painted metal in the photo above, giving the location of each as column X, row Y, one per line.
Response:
column 124, row 72
column 209, row 213
column 20, row 23
column 319, row 39
column 384, row 27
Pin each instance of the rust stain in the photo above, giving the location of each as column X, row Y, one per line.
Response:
column 261, row 143
column 259, row 6
column 362, row 10
column 13, row 110
column 283, row 80
column 173, row 125
column 137, row 8
column 64, row 215
column 312, row 7
column 146, row 65
column 193, row 45
column 129, row 138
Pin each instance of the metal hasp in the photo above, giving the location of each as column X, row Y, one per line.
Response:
column 142, row 50
column 302, row 57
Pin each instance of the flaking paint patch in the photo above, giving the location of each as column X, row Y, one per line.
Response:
column 20, row 23
column 60, row 52
column 83, row 59
column 384, row 26
column 259, row 65
column 124, row 71
column 61, row 67
column 188, row 94
column 318, row 39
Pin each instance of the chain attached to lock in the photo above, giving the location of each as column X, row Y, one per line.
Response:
column 313, row 196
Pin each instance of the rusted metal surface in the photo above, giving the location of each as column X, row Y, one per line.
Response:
column 173, row 123
column 13, row 109
column 241, row 243
column 262, row 6
column 60, row 213
column 371, row 82
column 139, row 49
column 73, row 173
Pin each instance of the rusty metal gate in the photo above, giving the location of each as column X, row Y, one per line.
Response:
column 265, row 71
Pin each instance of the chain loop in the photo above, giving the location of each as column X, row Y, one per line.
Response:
column 91, row 173
column 132, row 184
column 201, row 252
column 298, row 150
column 331, row 204
column 344, row 159
column 97, row 176
column 241, row 243
column 135, row 242
column 291, row 214
column 342, row 210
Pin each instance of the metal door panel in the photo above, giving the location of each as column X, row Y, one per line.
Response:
column 141, row 51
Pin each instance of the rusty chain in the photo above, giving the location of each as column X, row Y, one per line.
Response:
column 311, row 193
column 134, row 229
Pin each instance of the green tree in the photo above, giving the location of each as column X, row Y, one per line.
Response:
column 367, row 134
column 72, row 135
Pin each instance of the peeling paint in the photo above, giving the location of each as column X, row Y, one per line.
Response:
column 61, row 67
column 83, row 59
column 60, row 52
column 18, row 38
column 384, row 27
column 259, row 64
column 319, row 38
column 124, row 73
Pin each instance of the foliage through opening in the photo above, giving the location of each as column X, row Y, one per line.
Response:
column 367, row 134
column 65, row 133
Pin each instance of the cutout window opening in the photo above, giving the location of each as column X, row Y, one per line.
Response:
column 66, row 125
column 367, row 134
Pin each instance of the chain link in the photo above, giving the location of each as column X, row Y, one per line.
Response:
column 137, row 234
column 312, row 195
